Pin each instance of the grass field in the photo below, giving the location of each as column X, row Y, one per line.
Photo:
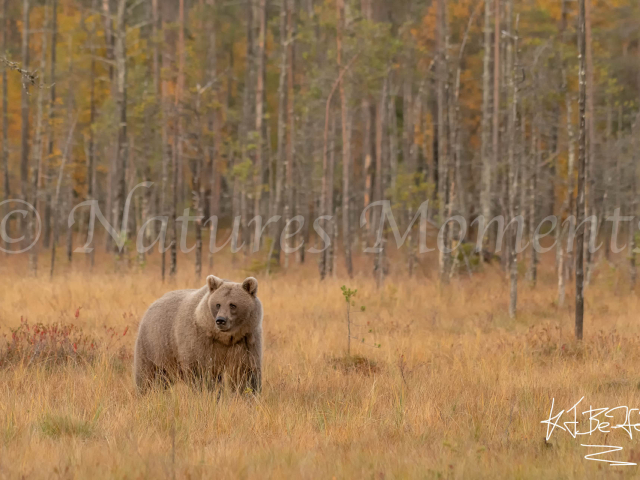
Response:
column 455, row 390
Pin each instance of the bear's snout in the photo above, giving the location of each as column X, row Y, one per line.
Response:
column 221, row 321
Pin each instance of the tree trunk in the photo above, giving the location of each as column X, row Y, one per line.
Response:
column 261, row 11
column 109, row 39
column 329, row 210
column 91, row 176
column 379, row 258
column 564, row 264
column 393, row 140
column 37, row 157
column 304, row 195
column 69, row 229
column 215, row 148
column 532, row 272
column 367, row 158
column 443, row 167
column 590, row 176
column 120, row 163
column 485, row 193
column 514, row 167
column 346, row 147
column 5, row 112
column 56, row 202
column 564, row 269
column 326, row 195
column 496, row 92
column 608, row 160
column 281, row 154
column 634, row 192
column 24, row 156
column 380, row 130
column 51, row 125
column 290, row 120
column 166, row 154
column 582, row 153
column 177, row 143
column 197, row 195
column 634, row 206
column 408, row 137
column 240, row 184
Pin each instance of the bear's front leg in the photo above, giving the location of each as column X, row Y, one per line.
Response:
column 254, row 347
column 255, row 381
column 143, row 369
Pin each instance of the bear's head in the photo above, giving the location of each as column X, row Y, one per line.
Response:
column 235, row 308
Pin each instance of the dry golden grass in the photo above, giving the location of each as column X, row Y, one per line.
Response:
column 458, row 389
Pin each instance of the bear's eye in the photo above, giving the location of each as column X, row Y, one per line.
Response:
column 217, row 305
column 233, row 307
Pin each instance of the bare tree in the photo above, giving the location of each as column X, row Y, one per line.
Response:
column 161, row 84
column 582, row 160
column 120, row 54
column 244, row 127
column 496, row 86
column 91, row 167
column 326, row 193
column 177, row 142
column 261, row 12
column 215, row 148
column 330, row 252
column 634, row 202
column 280, row 166
column 381, row 107
column 487, row 170
column 51, row 124
column 634, row 191
column 197, row 168
column 56, row 199
column 37, row 155
column 443, row 154
column 346, row 146
column 514, row 158
column 24, row 155
column 590, row 198
column 536, row 151
column 5, row 109
column 564, row 265
column 290, row 130
column 367, row 154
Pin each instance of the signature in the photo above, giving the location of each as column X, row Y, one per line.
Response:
column 599, row 420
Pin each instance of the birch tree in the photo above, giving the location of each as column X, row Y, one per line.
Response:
column 346, row 146
column 582, row 161
column 485, row 200
column 5, row 110
column 24, row 109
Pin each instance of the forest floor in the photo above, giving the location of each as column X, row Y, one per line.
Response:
column 443, row 385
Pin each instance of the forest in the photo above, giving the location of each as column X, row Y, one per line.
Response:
column 434, row 200
column 313, row 109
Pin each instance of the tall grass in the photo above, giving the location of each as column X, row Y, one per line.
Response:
column 455, row 390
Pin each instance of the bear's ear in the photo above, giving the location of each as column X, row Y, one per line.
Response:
column 250, row 284
column 213, row 282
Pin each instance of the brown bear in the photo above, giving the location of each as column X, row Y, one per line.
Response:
column 200, row 335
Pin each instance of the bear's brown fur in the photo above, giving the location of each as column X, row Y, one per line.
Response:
column 179, row 336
